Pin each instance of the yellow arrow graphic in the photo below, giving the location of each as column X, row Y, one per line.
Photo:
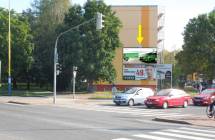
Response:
column 139, row 37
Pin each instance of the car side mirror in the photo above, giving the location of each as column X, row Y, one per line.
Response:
column 137, row 94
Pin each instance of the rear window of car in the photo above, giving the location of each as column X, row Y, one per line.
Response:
column 165, row 92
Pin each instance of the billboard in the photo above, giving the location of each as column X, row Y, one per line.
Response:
column 164, row 71
column 139, row 72
column 139, row 55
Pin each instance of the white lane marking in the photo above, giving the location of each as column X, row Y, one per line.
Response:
column 133, row 112
column 128, row 110
column 198, row 130
column 152, row 137
column 192, row 133
column 180, row 136
column 122, row 139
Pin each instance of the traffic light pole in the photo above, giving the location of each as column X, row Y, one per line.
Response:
column 56, row 55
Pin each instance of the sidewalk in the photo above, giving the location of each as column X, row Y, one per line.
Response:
column 60, row 99
column 197, row 121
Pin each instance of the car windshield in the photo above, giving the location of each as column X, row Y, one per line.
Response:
column 130, row 91
column 165, row 92
column 208, row 91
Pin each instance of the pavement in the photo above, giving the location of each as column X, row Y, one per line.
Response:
column 48, row 100
column 83, row 99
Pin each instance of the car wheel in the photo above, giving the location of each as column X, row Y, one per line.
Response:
column 185, row 104
column 131, row 102
column 165, row 105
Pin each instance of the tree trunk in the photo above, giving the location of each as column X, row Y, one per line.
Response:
column 14, row 83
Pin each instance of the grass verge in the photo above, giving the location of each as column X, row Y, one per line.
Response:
column 101, row 95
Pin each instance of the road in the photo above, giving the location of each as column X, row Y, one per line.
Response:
column 96, row 122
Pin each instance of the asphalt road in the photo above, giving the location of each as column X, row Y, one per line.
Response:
column 94, row 122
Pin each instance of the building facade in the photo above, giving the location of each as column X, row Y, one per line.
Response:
column 129, row 62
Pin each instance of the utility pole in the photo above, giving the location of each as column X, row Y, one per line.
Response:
column 74, row 76
column 9, row 55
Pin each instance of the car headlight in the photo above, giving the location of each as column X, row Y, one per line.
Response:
column 157, row 100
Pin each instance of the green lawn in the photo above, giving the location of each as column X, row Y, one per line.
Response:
column 101, row 95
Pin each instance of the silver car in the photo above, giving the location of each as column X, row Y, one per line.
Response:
column 133, row 96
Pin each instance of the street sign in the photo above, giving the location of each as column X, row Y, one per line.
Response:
column 168, row 75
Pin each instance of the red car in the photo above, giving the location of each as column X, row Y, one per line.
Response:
column 204, row 98
column 169, row 98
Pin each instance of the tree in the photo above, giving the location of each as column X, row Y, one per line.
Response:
column 49, row 15
column 199, row 46
column 21, row 45
column 91, row 50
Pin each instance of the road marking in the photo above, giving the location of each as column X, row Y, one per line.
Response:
column 122, row 139
column 152, row 137
column 180, row 136
column 199, row 130
column 132, row 111
column 192, row 133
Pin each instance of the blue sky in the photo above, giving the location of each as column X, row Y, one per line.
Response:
column 177, row 14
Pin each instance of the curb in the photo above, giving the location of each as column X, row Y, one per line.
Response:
column 15, row 102
column 171, row 121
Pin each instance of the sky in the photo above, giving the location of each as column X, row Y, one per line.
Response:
column 177, row 14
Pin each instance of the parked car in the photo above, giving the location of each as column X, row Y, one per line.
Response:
column 169, row 98
column 204, row 98
column 133, row 96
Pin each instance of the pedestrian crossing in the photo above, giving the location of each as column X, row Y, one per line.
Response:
column 136, row 111
column 181, row 133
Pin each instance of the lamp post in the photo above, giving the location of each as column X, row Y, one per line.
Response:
column 9, row 54
column 99, row 26
column 74, row 76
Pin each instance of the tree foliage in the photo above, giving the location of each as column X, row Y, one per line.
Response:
column 91, row 50
column 21, row 45
column 49, row 14
column 199, row 46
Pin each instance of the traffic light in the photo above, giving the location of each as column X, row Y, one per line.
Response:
column 99, row 21
column 59, row 68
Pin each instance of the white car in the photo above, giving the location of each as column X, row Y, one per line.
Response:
column 133, row 96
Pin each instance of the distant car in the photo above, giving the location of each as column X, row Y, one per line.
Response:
column 204, row 98
column 169, row 98
column 149, row 58
column 133, row 96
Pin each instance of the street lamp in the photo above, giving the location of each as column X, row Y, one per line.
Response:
column 74, row 76
column 9, row 54
column 99, row 25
